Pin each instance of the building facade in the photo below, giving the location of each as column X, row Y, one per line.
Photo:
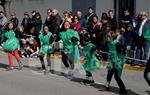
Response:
column 20, row 6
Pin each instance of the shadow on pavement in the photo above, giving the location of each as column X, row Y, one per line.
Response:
column 4, row 66
column 113, row 89
column 77, row 80
column 58, row 73
column 40, row 70
column 148, row 92
column 101, row 87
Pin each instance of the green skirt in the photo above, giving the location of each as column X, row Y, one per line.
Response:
column 11, row 44
column 45, row 49
column 91, row 64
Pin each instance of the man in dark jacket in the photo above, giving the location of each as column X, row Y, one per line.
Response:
column 126, row 18
column 141, row 41
column 112, row 20
column 56, row 22
column 49, row 18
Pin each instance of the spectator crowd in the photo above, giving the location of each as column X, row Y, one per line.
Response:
column 130, row 30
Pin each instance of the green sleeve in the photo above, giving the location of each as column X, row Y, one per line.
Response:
column 60, row 35
column 76, row 35
column 147, row 34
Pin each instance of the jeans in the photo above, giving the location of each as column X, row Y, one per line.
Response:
column 139, row 54
column 130, row 53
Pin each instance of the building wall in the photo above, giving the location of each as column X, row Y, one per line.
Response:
column 143, row 5
column 104, row 6
column 20, row 6
column 83, row 5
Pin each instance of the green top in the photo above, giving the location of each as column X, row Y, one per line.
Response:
column 87, row 51
column 116, row 59
column 91, row 62
column 70, row 47
column 10, row 34
column 45, row 42
column 12, row 42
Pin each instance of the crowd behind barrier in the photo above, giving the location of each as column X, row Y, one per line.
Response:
column 130, row 31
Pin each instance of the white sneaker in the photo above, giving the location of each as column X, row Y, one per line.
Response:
column 20, row 66
column 48, row 68
column 70, row 74
column 66, row 71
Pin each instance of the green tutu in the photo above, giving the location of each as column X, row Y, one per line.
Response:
column 45, row 49
column 11, row 44
column 91, row 62
column 91, row 65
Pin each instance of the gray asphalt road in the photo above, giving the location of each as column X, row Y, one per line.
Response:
column 30, row 81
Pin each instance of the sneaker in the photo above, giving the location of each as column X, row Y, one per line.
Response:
column 70, row 72
column 45, row 72
column 20, row 66
column 70, row 77
column 107, row 86
column 48, row 69
column 66, row 71
column 9, row 68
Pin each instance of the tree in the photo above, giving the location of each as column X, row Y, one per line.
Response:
column 6, row 7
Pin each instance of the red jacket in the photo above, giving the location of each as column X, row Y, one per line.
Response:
column 77, row 27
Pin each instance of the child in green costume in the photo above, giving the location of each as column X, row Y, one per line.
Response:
column 70, row 54
column 11, row 46
column 115, row 66
column 91, row 62
column 46, row 42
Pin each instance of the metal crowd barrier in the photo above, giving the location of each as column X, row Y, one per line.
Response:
column 130, row 58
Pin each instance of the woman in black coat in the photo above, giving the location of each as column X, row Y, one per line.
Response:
column 36, row 24
column 25, row 23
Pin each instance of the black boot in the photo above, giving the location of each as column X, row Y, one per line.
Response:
column 123, row 92
column 85, row 82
